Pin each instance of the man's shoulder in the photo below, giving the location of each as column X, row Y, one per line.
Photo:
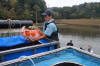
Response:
column 52, row 24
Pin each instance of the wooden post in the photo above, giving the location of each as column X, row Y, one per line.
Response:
column 2, row 58
column 35, row 51
column 36, row 18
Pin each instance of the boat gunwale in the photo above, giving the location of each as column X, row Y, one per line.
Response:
column 28, row 48
column 49, row 52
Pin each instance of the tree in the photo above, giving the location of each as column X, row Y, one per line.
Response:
column 37, row 9
column 12, row 3
column 11, row 14
column 3, row 13
column 86, row 10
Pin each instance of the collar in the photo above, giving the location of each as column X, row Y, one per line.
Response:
column 51, row 20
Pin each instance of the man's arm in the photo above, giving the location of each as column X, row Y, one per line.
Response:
column 39, row 38
column 48, row 32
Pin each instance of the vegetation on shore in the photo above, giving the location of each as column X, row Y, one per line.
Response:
column 81, row 22
column 22, row 9
column 86, row 10
column 28, row 9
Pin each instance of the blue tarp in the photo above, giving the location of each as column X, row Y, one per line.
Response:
column 17, row 40
column 21, row 40
column 12, row 41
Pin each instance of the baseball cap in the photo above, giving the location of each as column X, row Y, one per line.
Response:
column 48, row 12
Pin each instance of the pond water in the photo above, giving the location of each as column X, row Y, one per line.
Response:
column 81, row 37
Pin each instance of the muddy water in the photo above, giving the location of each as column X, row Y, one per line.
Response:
column 81, row 37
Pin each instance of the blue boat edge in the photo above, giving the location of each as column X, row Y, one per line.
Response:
column 51, row 52
column 27, row 51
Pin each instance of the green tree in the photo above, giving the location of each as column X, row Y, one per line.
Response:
column 11, row 14
column 37, row 10
column 12, row 3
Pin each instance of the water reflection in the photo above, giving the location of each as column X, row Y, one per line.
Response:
column 81, row 33
column 81, row 37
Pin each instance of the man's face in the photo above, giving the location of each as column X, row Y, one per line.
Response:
column 47, row 18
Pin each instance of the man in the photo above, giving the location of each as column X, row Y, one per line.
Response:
column 70, row 43
column 50, row 29
column 90, row 49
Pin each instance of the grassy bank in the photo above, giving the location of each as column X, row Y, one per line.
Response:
column 78, row 28
column 79, row 24
column 84, row 22
column 92, row 25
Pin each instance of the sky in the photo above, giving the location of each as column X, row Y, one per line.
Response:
column 62, row 3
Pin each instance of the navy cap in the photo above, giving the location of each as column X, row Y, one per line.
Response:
column 48, row 12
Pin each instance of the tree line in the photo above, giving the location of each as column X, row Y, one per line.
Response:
column 22, row 9
column 86, row 10
column 29, row 9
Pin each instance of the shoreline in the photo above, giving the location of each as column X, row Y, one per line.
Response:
column 93, row 23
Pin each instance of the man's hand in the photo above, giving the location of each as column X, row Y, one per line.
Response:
column 34, row 40
column 39, row 38
column 31, row 39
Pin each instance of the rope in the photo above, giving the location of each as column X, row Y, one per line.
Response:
column 27, row 57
